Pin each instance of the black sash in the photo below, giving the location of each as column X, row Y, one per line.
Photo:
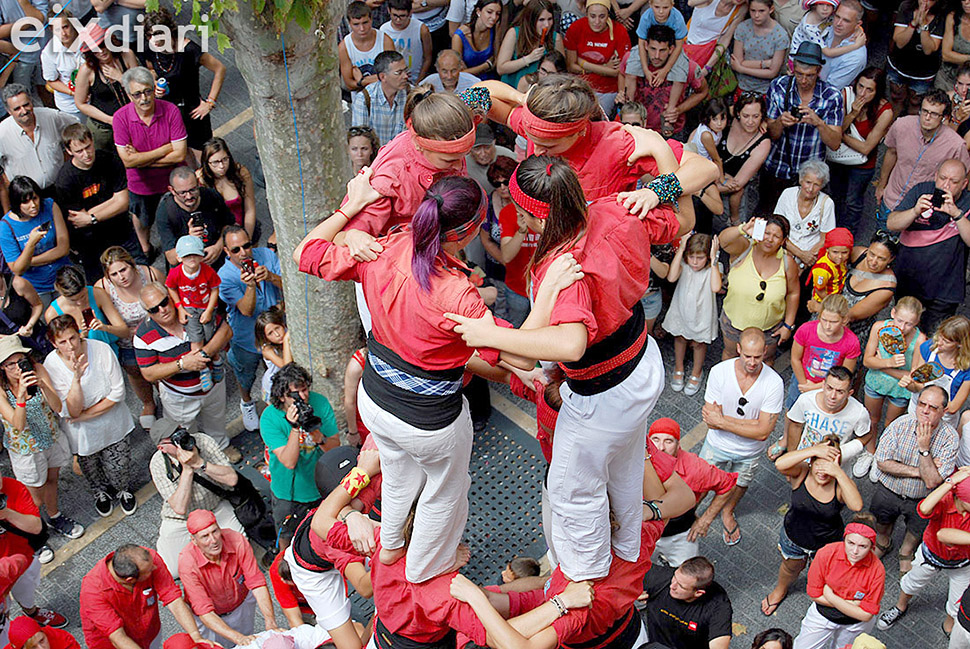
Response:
column 384, row 639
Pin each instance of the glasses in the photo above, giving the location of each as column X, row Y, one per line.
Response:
column 502, row 183
column 185, row 193
column 763, row 285
column 931, row 113
column 360, row 130
column 742, row 402
column 246, row 246
column 158, row 307
column 142, row 93
column 219, row 161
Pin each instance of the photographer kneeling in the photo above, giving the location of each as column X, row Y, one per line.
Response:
column 297, row 427
column 181, row 456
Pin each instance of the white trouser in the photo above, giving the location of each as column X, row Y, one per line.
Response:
column 362, row 309
column 325, row 592
column 923, row 573
column 597, row 465
column 173, row 535
column 676, row 549
column 24, row 590
column 547, row 525
column 427, row 466
column 241, row 619
column 304, row 636
column 819, row 632
column 959, row 638
column 208, row 411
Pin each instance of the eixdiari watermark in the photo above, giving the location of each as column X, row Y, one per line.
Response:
column 129, row 34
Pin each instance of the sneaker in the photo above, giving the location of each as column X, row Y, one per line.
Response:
column 66, row 527
column 233, row 454
column 862, row 466
column 128, row 502
column 218, row 371
column 205, row 379
column 47, row 617
column 873, row 478
column 889, row 618
column 45, row 554
column 103, row 503
column 250, row 415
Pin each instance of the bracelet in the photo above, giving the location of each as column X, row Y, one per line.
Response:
column 94, row 219
column 179, row 364
column 343, row 519
column 788, row 326
column 559, row 605
column 654, row 509
column 666, row 187
column 354, row 482
column 22, row 405
column 341, row 213
column 210, row 101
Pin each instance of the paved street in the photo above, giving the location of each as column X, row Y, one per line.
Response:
column 506, row 475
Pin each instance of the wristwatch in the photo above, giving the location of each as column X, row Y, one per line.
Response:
column 924, row 453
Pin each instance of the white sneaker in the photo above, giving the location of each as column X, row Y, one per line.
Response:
column 863, row 465
column 250, row 415
column 45, row 554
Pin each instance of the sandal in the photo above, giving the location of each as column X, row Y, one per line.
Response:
column 906, row 557
column 728, row 533
column 776, row 451
column 768, row 604
column 693, row 386
column 677, row 381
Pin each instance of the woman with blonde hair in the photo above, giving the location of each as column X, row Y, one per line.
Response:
column 948, row 351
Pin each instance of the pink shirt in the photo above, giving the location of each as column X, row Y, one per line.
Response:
column 166, row 126
column 819, row 356
column 917, row 159
column 219, row 587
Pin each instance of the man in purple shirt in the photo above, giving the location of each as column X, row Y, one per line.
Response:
column 150, row 138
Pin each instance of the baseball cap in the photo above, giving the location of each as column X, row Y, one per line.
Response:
column 189, row 245
column 333, row 466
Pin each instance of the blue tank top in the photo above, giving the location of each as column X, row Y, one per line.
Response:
column 473, row 57
column 95, row 334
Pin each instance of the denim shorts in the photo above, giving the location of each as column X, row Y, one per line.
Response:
column 744, row 466
column 126, row 356
column 653, row 304
column 791, row 550
column 916, row 86
column 244, row 363
column 896, row 401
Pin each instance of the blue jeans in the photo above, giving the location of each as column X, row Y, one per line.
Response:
column 517, row 307
column 849, row 185
column 244, row 363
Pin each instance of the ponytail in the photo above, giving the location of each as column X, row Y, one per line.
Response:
column 449, row 204
column 552, row 181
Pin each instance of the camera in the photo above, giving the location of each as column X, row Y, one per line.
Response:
column 305, row 418
column 938, row 198
column 183, row 439
column 249, row 266
column 796, row 112
column 26, row 366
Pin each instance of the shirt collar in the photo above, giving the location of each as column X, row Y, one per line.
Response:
column 201, row 559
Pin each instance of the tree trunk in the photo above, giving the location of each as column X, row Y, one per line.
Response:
column 322, row 316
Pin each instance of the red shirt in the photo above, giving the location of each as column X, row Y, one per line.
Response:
column 405, row 317
column 515, row 270
column 288, row 596
column 702, row 477
column 193, row 291
column 613, row 252
column 402, row 175
column 423, row 612
column 107, row 606
column 16, row 555
column 599, row 157
column 60, row 639
column 864, row 581
column 945, row 514
column 598, row 48
column 612, row 596
column 219, row 587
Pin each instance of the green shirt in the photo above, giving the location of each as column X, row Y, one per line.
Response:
column 295, row 484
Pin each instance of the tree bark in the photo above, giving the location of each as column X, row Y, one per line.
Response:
column 322, row 316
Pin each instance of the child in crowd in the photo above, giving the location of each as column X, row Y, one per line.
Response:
column 692, row 315
column 819, row 346
column 888, row 357
column 949, row 352
column 660, row 12
column 707, row 135
column 520, row 567
column 816, row 24
column 829, row 272
column 273, row 341
column 192, row 287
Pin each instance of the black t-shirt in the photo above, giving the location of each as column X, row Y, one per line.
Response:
column 910, row 60
column 173, row 221
column 935, row 271
column 181, row 71
column 685, row 625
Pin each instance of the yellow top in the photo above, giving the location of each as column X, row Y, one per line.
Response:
column 741, row 304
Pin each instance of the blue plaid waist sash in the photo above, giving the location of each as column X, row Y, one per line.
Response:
column 425, row 399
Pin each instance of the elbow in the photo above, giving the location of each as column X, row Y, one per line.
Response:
column 574, row 350
column 176, row 507
column 365, row 588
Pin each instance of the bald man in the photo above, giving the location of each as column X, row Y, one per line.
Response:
column 933, row 240
column 743, row 400
column 449, row 76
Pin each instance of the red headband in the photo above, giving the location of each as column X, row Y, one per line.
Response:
column 459, row 232
column 539, row 127
column 861, row 530
column 533, row 206
column 463, row 144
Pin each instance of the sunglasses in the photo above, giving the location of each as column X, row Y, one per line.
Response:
column 359, row 130
column 763, row 285
column 502, row 183
column 158, row 307
column 246, row 246
column 742, row 402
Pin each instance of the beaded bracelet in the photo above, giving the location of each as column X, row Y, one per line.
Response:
column 478, row 99
column 666, row 187
column 654, row 509
column 559, row 605
column 354, row 482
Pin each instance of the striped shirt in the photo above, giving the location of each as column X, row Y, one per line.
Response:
column 154, row 345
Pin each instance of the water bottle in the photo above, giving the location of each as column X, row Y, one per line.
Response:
column 162, row 84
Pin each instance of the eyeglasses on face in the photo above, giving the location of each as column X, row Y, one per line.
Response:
column 236, row 249
column 158, row 307
column 142, row 93
column 185, row 193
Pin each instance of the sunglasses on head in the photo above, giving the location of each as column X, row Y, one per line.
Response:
column 360, row 130
column 158, row 307
column 246, row 246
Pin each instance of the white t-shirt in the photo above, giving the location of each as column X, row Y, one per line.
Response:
column 465, row 81
column 849, row 423
column 766, row 395
column 102, row 380
column 963, row 453
column 808, row 232
column 408, row 43
column 58, row 64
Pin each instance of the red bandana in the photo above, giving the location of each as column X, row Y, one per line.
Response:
column 463, row 144
column 538, row 127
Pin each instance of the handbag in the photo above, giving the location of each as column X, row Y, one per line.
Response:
column 846, row 155
column 246, row 500
column 721, row 80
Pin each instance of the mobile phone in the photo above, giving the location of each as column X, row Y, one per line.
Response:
column 796, row 112
column 249, row 266
column 759, row 229
column 195, row 219
column 938, row 198
column 26, row 366
column 44, row 227
column 88, row 315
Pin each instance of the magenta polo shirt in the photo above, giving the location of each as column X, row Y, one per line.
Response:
column 166, row 126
